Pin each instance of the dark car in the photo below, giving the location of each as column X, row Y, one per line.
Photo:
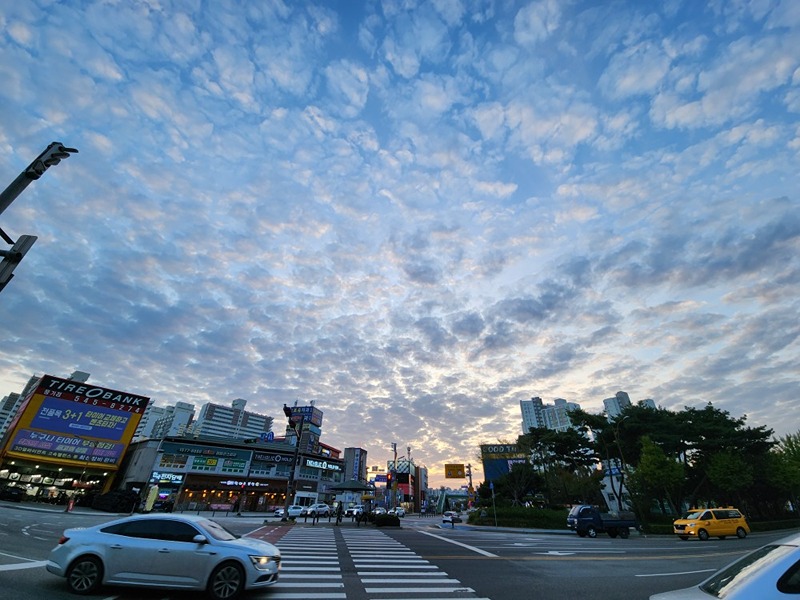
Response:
column 13, row 493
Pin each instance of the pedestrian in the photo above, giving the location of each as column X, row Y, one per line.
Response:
column 339, row 514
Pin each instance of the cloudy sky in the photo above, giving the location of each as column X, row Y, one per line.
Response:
column 414, row 214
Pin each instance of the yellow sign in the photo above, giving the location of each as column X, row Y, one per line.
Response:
column 455, row 471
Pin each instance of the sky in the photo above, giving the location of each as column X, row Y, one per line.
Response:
column 414, row 214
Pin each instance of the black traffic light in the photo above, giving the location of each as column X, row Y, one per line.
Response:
column 250, row 440
column 52, row 155
column 11, row 258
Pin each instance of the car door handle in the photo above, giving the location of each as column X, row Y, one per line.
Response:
column 164, row 550
column 116, row 547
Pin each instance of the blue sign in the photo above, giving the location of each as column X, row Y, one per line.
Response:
column 267, row 436
column 64, row 416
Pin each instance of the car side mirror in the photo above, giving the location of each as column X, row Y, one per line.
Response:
column 200, row 539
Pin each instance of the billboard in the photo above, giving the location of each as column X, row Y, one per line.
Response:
column 498, row 458
column 310, row 414
column 73, row 423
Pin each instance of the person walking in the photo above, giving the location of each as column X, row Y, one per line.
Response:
column 339, row 514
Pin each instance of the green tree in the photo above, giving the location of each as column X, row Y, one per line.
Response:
column 658, row 477
column 730, row 473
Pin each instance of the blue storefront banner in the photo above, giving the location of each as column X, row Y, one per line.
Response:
column 66, row 416
column 66, row 447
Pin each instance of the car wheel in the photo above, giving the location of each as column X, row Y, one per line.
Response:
column 85, row 575
column 624, row 533
column 703, row 535
column 591, row 532
column 741, row 533
column 226, row 582
column 684, row 537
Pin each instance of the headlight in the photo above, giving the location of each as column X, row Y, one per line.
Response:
column 261, row 562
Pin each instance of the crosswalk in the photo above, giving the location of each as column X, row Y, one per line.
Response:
column 370, row 565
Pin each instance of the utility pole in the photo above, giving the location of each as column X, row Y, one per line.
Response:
column 52, row 155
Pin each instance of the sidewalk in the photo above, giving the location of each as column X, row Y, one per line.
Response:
column 268, row 518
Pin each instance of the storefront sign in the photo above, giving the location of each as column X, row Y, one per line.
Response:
column 323, row 464
column 266, row 457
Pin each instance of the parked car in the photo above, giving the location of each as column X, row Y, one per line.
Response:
column 587, row 520
column 452, row 517
column 319, row 510
column 379, row 510
column 185, row 552
column 14, row 493
column 354, row 511
column 399, row 511
column 702, row 523
column 769, row 573
column 295, row 510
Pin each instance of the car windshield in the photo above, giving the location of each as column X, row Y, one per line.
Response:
column 742, row 571
column 694, row 514
column 217, row 531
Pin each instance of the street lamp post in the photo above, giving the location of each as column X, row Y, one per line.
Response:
column 623, row 464
column 298, row 429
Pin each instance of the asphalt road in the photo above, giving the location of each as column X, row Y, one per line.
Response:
column 422, row 559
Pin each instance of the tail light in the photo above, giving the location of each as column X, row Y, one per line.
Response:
column 63, row 540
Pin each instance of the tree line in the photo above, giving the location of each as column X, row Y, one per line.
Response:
column 660, row 461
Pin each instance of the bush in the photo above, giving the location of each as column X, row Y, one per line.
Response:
column 387, row 521
column 521, row 516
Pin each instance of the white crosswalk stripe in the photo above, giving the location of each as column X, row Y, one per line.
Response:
column 384, row 568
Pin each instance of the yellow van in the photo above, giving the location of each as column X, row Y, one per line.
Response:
column 704, row 523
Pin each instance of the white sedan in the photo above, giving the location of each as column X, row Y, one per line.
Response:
column 399, row 511
column 769, row 573
column 170, row 551
column 295, row 510
column 450, row 516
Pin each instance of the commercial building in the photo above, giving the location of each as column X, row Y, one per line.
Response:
column 68, row 436
column 211, row 473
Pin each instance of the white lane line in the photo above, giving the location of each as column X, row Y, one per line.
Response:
column 473, row 548
column 30, row 565
column 677, row 573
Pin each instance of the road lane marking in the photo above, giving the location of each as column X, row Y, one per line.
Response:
column 29, row 565
column 468, row 547
column 677, row 573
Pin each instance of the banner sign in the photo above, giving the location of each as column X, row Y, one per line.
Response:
column 71, row 422
column 197, row 450
column 66, row 447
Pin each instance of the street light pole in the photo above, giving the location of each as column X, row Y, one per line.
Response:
column 298, row 429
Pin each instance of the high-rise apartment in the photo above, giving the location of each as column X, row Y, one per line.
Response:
column 614, row 406
column 229, row 422
column 549, row 416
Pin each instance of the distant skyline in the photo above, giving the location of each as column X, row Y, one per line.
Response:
column 414, row 214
